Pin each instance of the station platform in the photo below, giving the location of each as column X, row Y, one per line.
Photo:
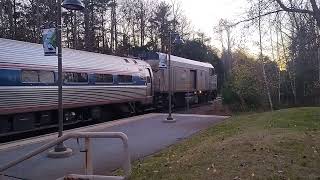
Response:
column 147, row 135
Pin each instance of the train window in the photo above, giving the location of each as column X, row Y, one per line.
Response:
column 34, row 76
column 124, row 78
column 104, row 78
column 29, row 76
column 46, row 76
column 126, row 60
column 72, row 77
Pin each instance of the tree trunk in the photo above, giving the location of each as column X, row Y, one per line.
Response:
column 92, row 30
column 87, row 26
column 292, row 84
column 74, row 30
column 115, row 27
column 279, row 61
column 103, row 32
column 2, row 18
column 39, row 23
column 274, row 59
column 229, row 58
column 14, row 19
column 263, row 65
column 10, row 18
column 142, row 26
column 112, row 32
column 133, row 34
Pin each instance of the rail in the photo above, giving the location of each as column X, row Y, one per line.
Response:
column 88, row 164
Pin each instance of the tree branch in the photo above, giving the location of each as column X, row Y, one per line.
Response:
column 253, row 18
column 315, row 7
column 285, row 8
column 316, row 11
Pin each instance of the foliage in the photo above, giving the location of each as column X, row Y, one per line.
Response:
column 245, row 90
column 161, row 23
column 294, row 35
column 230, row 97
column 104, row 26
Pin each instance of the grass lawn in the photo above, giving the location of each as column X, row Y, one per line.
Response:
column 284, row 144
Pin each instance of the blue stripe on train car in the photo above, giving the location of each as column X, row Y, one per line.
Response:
column 9, row 77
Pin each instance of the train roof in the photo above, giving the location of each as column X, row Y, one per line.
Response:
column 188, row 61
column 25, row 54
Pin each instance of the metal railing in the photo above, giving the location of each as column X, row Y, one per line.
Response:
column 88, row 164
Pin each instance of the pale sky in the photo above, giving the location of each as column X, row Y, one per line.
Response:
column 204, row 14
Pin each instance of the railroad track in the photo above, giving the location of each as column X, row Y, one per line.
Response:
column 14, row 136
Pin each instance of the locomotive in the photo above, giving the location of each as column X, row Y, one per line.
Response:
column 94, row 85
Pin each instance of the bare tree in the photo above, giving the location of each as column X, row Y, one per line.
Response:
column 315, row 12
column 113, row 32
column 278, row 60
column 285, row 56
column 224, row 28
column 2, row 13
column 261, row 56
column 275, row 59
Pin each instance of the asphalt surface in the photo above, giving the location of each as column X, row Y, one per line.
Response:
column 147, row 135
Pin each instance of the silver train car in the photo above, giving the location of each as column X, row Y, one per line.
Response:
column 95, row 86
column 190, row 79
column 28, row 85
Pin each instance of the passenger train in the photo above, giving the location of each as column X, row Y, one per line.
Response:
column 94, row 85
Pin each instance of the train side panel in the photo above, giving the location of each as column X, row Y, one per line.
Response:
column 95, row 85
column 189, row 78
column 24, row 99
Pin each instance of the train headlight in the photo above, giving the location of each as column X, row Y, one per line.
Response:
column 200, row 92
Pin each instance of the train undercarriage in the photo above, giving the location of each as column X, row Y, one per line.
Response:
column 27, row 122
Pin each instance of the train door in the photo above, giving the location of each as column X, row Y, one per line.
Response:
column 212, row 80
column 149, row 83
column 193, row 79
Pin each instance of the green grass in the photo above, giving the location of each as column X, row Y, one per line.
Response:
column 283, row 144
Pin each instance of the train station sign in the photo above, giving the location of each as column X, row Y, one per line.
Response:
column 163, row 61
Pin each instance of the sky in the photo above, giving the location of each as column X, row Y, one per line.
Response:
column 204, row 14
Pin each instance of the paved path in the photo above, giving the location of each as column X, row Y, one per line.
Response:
column 147, row 135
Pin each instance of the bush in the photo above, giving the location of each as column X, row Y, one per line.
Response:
column 233, row 100
column 229, row 96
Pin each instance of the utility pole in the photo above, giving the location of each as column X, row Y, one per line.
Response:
column 177, row 40
column 61, row 150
